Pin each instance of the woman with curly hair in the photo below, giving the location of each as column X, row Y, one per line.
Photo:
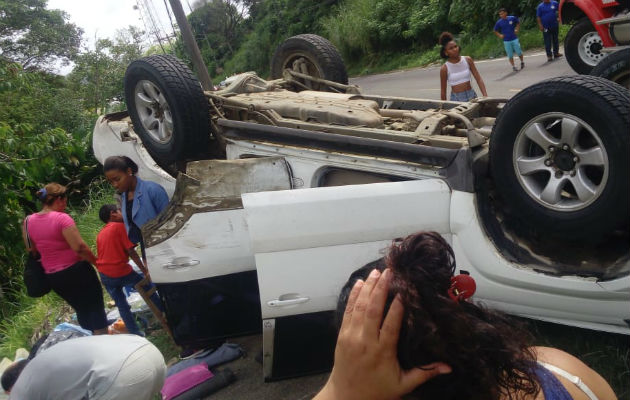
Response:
column 456, row 71
column 435, row 344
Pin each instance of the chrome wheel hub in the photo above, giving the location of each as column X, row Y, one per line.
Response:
column 153, row 110
column 589, row 48
column 560, row 162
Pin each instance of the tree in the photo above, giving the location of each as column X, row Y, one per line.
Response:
column 33, row 150
column 99, row 74
column 36, row 37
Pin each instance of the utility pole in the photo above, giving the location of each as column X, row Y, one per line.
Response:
column 191, row 45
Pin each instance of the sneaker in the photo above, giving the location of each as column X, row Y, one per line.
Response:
column 514, row 68
column 522, row 65
column 557, row 55
column 549, row 58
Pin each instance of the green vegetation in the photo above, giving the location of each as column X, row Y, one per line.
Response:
column 46, row 119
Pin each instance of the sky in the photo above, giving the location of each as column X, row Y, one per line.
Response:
column 102, row 18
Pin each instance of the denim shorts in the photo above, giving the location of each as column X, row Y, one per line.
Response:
column 511, row 47
column 463, row 96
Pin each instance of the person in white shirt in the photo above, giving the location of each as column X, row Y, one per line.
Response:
column 457, row 71
column 93, row 367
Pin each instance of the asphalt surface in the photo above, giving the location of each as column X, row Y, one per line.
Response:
column 497, row 74
column 500, row 81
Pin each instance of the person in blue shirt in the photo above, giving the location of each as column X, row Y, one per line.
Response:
column 507, row 28
column 547, row 17
column 141, row 200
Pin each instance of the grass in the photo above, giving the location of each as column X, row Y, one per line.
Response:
column 478, row 47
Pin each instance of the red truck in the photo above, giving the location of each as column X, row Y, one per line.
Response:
column 598, row 43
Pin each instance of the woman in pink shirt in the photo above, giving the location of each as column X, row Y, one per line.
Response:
column 66, row 258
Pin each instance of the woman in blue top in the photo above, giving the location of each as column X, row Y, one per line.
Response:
column 141, row 200
column 507, row 28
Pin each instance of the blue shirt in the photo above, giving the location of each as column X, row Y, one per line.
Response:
column 506, row 27
column 548, row 14
column 149, row 199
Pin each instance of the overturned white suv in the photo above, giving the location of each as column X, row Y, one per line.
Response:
column 281, row 188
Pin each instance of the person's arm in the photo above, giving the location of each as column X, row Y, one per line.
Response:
column 557, row 11
column 32, row 246
column 366, row 363
column 159, row 198
column 496, row 30
column 473, row 69
column 443, row 76
column 136, row 259
column 76, row 243
column 517, row 28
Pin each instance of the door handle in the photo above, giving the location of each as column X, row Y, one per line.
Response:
column 288, row 302
column 181, row 262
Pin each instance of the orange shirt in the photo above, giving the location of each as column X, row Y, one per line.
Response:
column 112, row 245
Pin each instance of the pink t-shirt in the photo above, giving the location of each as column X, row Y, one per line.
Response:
column 45, row 231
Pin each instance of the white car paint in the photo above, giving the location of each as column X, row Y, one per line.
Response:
column 305, row 243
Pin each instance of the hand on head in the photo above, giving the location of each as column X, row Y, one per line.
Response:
column 366, row 364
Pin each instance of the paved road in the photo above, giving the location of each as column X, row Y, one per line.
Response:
column 500, row 80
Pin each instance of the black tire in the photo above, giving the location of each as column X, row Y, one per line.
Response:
column 615, row 67
column 171, row 80
column 322, row 58
column 601, row 105
column 590, row 55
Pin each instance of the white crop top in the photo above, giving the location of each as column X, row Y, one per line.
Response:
column 458, row 72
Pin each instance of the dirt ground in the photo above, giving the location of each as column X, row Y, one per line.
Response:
column 249, row 384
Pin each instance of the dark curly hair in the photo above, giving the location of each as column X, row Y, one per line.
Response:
column 444, row 39
column 489, row 353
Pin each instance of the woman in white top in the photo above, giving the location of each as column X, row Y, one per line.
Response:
column 456, row 71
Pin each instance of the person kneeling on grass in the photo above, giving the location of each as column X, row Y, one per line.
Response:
column 507, row 28
column 114, row 249
column 409, row 329
column 117, row 367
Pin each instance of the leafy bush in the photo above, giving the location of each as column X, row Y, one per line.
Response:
column 34, row 149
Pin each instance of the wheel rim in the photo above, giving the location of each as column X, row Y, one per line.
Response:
column 154, row 111
column 302, row 63
column 589, row 48
column 560, row 162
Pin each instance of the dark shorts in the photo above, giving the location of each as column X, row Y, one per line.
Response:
column 79, row 286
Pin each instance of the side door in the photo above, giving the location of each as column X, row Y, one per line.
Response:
column 199, row 253
column 307, row 242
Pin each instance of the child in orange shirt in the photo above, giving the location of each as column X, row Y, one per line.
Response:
column 114, row 249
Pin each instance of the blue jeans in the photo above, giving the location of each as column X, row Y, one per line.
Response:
column 463, row 96
column 550, row 36
column 114, row 287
